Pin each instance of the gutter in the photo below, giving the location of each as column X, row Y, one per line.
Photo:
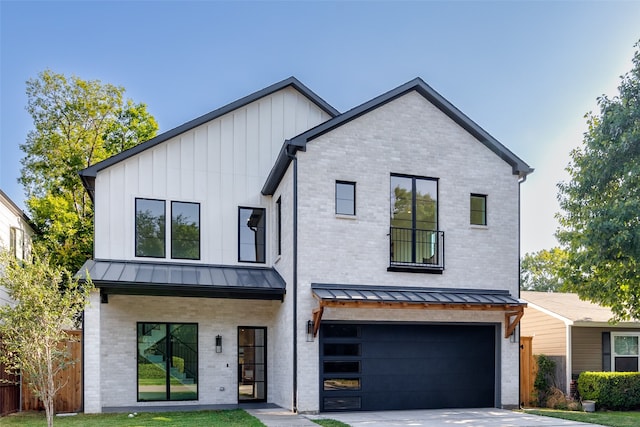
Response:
column 291, row 150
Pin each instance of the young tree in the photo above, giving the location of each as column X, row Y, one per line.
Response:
column 47, row 300
column 600, row 222
column 541, row 271
column 76, row 123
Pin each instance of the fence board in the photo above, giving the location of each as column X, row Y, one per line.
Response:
column 69, row 398
column 9, row 391
column 527, row 371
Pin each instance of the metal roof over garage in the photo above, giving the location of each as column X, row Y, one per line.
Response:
column 189, row 280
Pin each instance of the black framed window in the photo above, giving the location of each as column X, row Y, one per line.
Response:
column 478, row 209
column 251, row 235
column 345, row 198
column 185, row 230
column 150, row 228
column 167, row 361
column 279, row 225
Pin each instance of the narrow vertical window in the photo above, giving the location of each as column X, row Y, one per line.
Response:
column 345, row 198
column 150, row 228
column 185, row 230
column 478, row 209
column 251, row 233
column 279, row 225
column 16, row 242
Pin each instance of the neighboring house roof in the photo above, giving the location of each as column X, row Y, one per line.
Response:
column 187, row 280
column 5, row 200
column 299, row 142
column 88, row 175
column 569, row 308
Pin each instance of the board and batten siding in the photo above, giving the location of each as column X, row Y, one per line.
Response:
column 549, row 334
column 221, row 164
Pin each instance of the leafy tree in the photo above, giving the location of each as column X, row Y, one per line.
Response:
column 600, row 222
column 542, row 271
column 47, row 300
column 76, row 123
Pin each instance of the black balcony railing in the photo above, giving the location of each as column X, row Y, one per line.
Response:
column 411, row 247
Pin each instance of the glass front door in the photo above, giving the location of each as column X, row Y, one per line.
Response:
column 252, row 364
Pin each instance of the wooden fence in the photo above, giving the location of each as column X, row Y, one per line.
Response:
column 69, row 398
column 9, row 391
column 528, row 370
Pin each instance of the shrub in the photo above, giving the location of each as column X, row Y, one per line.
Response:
column 178, row 363
column 611, row 390
column 544, row 378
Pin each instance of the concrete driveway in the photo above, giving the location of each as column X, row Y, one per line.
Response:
column 447, row 418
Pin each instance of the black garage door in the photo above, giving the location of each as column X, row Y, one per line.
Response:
column 407, row 366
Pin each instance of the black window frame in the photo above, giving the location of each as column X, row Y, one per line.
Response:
column 261, row 257
column 173, row 256
column 279, row 226
column 164, row 237
column 483, row 197
column 351, row 184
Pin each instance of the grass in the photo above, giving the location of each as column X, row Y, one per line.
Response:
column 330, row 423
column 228, row 418
column 605, row 418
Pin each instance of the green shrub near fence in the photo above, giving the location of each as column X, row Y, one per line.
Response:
column 611, row 390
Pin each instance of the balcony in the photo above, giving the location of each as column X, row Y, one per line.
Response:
column 415, row 250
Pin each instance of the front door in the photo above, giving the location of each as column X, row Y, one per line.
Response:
column 252, row 364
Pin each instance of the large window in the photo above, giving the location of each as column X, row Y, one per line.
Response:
column 251, row 233
column 624, row 352
column 345, row 198
column 415, row 239
column 167, row 361
column 185, row 230
column 150, row 228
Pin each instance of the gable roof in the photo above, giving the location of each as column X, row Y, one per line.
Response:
column 570, row 308
column 299, row 142
column 10, row 204
column 88, row 175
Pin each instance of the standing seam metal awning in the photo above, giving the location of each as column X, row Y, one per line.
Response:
column 191, row 280
column 358, row 296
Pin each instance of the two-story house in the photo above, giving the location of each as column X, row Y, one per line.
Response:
column 276, row 250
column 16, row 231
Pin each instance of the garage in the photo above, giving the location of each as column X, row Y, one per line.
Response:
column 386, row 366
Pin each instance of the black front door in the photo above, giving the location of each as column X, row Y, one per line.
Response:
column 252, row 364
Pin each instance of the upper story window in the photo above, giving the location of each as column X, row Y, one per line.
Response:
column 251, row 235
column 185, row 230
column 16, row 242
column 150, row 228
column 345, row 198
column 478, row 209
column 414, row 237
column 279, row 225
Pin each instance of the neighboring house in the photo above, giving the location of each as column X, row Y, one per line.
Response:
column 577, row 334
column 16, row 231
column 275, row 250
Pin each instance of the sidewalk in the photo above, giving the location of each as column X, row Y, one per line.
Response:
column 280, row 417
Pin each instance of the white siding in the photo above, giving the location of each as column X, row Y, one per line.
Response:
column 221, row 164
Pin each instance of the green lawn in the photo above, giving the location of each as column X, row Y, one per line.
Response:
column 231, row 418
column 608, row 418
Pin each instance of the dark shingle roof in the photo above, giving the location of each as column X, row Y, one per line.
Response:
column 195, row 280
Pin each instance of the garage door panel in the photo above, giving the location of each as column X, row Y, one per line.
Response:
column 413, row 366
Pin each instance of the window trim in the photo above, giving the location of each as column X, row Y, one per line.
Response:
column 199, row 230
column 16, row 242
column 135, row 228
column 264, row 248
column 484, row 211
column 352, row 184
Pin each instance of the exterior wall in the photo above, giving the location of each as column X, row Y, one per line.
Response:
column 408, row 136
column 221, row 165
column 549, row 333
column 117, row 344
column 12, row 216
column 586, row 347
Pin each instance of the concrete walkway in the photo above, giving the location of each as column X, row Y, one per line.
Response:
column 279, row 417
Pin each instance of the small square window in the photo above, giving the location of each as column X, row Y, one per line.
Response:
column 345, row 198
column 478, row 209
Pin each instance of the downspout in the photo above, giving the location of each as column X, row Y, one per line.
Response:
column 522, row 178
column 292, row 156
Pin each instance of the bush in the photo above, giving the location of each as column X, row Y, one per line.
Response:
column 178, row 363
column 545, row 378
column 611, row 390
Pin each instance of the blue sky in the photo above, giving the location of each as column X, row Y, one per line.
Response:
column 525, row 71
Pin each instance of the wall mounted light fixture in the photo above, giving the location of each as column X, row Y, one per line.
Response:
column 218, row 344
column 310, row 331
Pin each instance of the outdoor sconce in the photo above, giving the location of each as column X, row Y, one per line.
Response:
column 310, row 331
column 218, row 344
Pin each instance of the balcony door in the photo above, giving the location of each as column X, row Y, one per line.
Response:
column 252, row 364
